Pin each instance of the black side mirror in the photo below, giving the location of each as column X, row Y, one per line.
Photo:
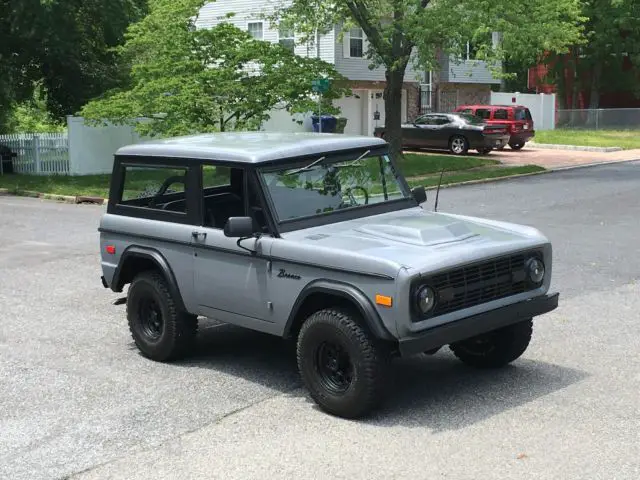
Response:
column 419, row 194
column 239, row 227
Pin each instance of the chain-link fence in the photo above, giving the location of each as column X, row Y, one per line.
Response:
column 599, row 119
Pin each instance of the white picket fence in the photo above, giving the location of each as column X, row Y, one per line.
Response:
column 39, row 153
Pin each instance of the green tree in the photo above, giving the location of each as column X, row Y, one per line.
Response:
column 186, row 80
column 611, row 31
column 403, row 31
column 66, row 46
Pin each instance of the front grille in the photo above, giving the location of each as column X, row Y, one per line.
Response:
column 479, row 283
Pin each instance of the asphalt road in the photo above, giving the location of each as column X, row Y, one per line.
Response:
column 76, row 399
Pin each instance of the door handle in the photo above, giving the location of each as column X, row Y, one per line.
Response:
column 197, row 235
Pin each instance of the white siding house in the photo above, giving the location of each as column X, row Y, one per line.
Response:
column 348, row 55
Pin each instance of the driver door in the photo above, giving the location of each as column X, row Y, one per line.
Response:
column 230, row 277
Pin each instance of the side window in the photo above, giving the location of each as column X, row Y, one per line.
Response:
column 466, row 110
column 483, row 113
column 500, row 114
column 421, row 121
column 155, row 188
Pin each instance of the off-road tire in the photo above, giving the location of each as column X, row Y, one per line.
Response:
column 516, row 145
column 368, row 360
column 178, row 330
column 502, row 346
column 458, row 140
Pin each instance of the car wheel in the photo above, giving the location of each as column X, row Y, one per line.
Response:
column 516, row 146
column 341, row 364
column 500, row 148
column 497, row 348
column 458, row 145
column 484, row 151
column 160, row 331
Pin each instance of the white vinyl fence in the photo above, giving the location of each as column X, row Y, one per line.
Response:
column 39, row 153
column 542, row 106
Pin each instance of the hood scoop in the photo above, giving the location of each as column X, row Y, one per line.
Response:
column 424, row 234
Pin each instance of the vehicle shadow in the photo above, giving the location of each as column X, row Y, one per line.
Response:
column 441, row 393
column 437, row 392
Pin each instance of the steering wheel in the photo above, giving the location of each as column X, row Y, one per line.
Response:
column 164, row 187
column 352, row 198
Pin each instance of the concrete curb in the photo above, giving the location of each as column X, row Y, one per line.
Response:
column 552, row 146
column 104, row 201
column 53, row 196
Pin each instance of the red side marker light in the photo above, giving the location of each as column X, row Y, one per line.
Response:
column 111, row 249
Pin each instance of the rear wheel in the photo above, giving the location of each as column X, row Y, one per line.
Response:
column 340, row 363
column 497, row 348
column 484, row 151
column 516, row 145
column 458, row 145
column 160, row 331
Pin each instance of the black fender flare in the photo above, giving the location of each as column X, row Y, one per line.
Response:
column 161, row 263
column 346, row 291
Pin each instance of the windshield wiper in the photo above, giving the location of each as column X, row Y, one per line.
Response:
column 303, row 169
column 351, row 162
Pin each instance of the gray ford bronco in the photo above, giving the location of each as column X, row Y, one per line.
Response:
column 315, row 238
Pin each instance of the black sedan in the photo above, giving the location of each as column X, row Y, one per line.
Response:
column 458, row 133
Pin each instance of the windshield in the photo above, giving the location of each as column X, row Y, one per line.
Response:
column 324, row 187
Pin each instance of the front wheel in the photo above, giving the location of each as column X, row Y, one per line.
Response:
column 458, row 145
column 516, row 145
column 340, row 363
column 497, row 348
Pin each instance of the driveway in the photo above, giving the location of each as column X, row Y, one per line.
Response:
column 78, row 401
column 554, row 158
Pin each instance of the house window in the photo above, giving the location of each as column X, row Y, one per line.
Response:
column 471, row 51
column 255, row 30
column 286, row 38
column 356, row 43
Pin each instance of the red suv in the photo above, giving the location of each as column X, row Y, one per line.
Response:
column 517, row 118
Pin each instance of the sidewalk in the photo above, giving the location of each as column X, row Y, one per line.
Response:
column 552, row 159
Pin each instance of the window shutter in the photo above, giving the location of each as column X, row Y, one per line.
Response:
column 346, row 44
column 365, row 45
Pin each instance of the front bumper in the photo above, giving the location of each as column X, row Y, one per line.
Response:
column 478, row 324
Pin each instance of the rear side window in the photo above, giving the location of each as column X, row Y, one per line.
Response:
column 483, row 113
column 522, row 114
column 157, row 188
column 466, row 110
column 500, row 114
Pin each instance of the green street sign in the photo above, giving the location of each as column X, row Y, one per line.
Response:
column 320, row 85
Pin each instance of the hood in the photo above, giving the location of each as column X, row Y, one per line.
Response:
column 415, row 238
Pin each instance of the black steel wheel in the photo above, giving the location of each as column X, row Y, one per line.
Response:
column 341, row 364
column 497, row 348
column 159, row 329
column 335, row 370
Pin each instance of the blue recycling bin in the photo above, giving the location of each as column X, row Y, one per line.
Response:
column 329, row 123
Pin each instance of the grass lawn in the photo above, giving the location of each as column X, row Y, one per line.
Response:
column 466, row 176
column 415, row 164
column 418, row 169
column 626, row 139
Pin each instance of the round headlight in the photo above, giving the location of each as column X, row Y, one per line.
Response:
column 426, row 299
column 535, row 269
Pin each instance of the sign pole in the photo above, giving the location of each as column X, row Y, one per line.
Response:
column 319, row 112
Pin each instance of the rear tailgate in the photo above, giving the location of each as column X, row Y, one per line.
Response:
column 523, row 121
